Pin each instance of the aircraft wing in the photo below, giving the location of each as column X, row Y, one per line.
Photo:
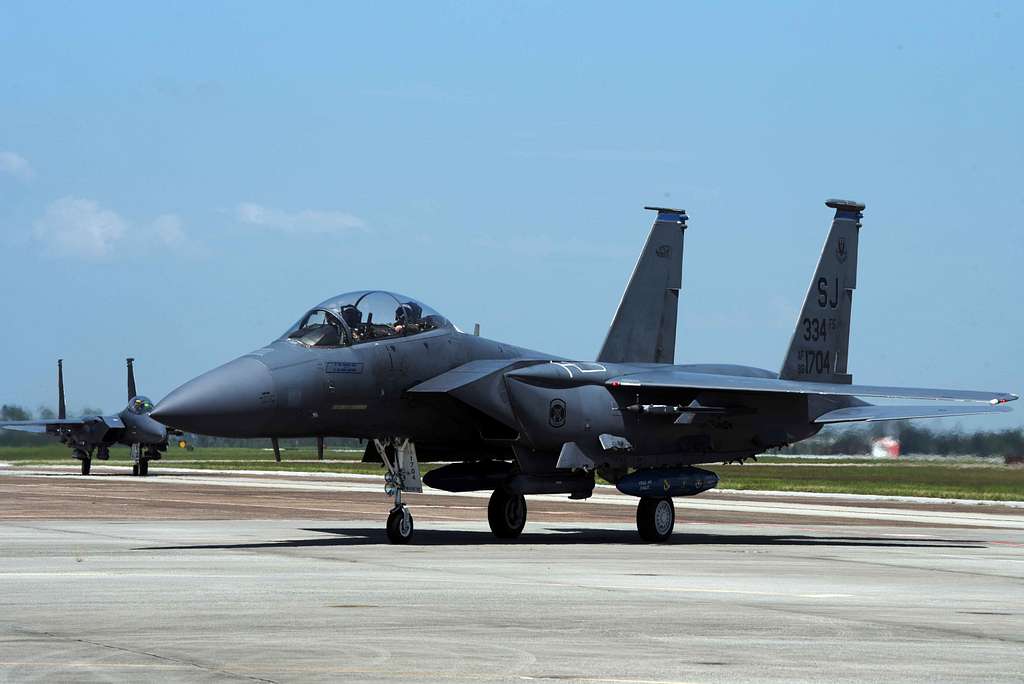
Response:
column 687, row 380
column 52, row 425
column 42, row 426
column 871, row 413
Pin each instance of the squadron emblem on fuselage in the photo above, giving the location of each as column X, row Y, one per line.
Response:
column 556, row 413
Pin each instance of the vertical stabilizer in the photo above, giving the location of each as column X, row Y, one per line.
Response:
column 818, row 350
column 62, row 409
column 644, row 327
column 131, row 380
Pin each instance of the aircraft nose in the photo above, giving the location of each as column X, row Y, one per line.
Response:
column 230, row 401
column 153, row 432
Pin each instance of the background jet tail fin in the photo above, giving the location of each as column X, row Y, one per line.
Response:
column 131, row 379
column 62, row 409
column 644, row 327
column 818, row 349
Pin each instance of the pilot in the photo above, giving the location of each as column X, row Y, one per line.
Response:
column 352, row 317
column 407, row 319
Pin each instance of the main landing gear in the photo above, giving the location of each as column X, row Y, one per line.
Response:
column 506, row 514
column 399, row 457
column 655, row 518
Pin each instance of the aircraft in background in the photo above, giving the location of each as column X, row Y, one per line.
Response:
column 92, row 436
column 384, row 367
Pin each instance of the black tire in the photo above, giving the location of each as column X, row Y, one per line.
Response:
column 86, row 466
column 506, row 514
column 143, row 468
column 400, row 527
column 135, row 469
column 655, row 518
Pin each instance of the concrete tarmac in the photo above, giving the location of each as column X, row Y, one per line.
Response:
column 275, row 578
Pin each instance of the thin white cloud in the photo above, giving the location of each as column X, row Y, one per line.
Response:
column 15, row 165
column 73, row 226
column 168, row 230
column 323, row 222
column 81, row 228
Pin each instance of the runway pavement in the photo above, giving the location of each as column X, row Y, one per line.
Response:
column 272, row 577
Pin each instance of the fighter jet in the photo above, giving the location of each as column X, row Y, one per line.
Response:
column 91, row 436
column 389, row 369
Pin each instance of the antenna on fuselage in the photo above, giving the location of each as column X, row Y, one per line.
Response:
column 131, row 379
column 62, row 411
column 476, row 329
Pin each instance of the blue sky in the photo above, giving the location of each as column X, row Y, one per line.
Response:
column 180, row 183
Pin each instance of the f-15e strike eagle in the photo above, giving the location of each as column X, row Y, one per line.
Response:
column 384, row 367
column 92, row 436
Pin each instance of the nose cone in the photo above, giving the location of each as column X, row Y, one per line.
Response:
column 234, row 400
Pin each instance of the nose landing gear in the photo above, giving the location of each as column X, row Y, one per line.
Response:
column 399, row 457
column 400, row 525
column 85, row 458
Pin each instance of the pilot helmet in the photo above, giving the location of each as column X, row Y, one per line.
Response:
column 408, row 312
column 351, row 315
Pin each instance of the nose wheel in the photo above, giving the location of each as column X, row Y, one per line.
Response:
column 655, row 518
column 399, row 457
column 400, row 525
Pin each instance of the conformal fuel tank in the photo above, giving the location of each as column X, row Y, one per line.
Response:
column 662, row 482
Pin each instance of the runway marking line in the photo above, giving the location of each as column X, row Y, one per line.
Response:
column 273, row 669
column 148, row 499
column 699, row 590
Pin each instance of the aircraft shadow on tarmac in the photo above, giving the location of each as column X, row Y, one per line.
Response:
column 358, row 536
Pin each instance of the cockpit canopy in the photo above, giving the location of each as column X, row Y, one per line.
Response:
column 140, row 405
column 363, row 316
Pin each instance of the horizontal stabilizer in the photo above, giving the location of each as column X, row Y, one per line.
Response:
column 684, row 380
column 868, row 414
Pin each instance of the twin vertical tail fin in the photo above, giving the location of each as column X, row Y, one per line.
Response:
column 62, row 409
column 131, row 380
column 818, row 351
column 644, row 327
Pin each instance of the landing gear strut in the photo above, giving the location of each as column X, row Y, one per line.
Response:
column 655, row 518
column 140, row 461
column 506, row 514
column 399, row 457
column 83, row 456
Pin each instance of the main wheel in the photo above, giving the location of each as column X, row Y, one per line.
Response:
column 135, row 469
column 86, row 465
column 655, row 518
column 143, row 468
column 506, row 513
column 400, row 526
